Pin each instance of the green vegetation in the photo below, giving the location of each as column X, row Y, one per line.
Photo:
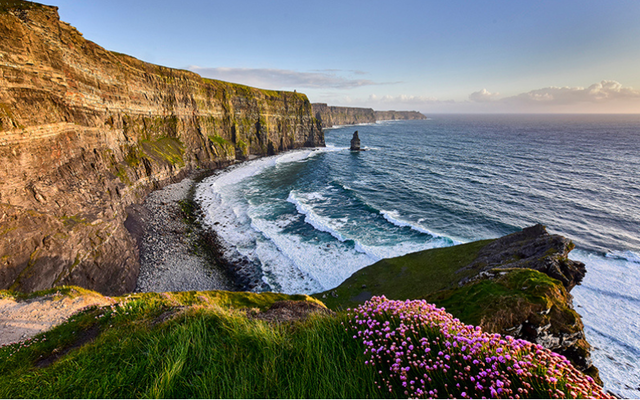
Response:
column 224, row 146
column 191, row 344
column 243, row 146
column 214, row 345
column 514, row 296
column 56, row 293
column 166, row 148
column 407, row 277
column 71, row 221
column 17, row 5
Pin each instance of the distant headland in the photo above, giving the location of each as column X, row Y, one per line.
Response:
column 332, row 115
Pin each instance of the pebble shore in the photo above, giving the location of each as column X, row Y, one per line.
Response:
column 168, row 261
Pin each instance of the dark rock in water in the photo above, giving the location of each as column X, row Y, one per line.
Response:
column 533, row 248
column 355, row 142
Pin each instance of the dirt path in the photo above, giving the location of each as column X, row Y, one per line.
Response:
column 20, row 320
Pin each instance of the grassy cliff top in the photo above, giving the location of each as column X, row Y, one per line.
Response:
column 411, row 276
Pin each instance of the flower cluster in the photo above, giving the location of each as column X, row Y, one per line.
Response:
column 422, row 351
column 14, row 347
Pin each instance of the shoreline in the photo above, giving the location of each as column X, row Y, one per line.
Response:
column 170, row 242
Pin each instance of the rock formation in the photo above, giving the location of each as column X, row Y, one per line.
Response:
column 85, row 132
column 355, row 142
column 398, row 115
column 333, row 116
column 533, row 248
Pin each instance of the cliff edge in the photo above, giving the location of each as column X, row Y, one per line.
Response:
column 516, row 285
column 85, row 132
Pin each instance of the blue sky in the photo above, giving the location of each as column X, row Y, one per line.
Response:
column 430, row 56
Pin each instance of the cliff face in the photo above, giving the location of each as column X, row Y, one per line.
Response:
column 332, row 116
column 398, row 115
column 85, row 132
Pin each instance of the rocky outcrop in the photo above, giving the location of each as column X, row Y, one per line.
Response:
column 536, row 249
column 334, row 116
column 85, row 132
column 398, row 115
column 355, row 142
column 523, row 304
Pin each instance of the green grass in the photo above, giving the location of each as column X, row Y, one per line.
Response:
column 56, row 292
column 407, row 277
column 514, row 296
column 209, row 350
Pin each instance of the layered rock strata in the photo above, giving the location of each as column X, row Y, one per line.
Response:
column 398, row 115
column 532, row 248
column 334, row 116
column 85, row 132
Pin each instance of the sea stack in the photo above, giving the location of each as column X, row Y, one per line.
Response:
column 355, row 142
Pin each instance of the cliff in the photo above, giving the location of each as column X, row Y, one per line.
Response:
column 333, row 116
column 85, row 132
column 516, row 285
column 398, row 115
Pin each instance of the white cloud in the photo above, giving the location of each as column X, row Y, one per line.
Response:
column 402, row 99
column 483, row 96
column 602, row 92
column 281, row 78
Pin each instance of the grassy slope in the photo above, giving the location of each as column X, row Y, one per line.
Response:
column 407, row 277
column 191, row 344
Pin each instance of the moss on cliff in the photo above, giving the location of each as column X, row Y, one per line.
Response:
column 503, row 301
column 168, row 148
column 18, row 5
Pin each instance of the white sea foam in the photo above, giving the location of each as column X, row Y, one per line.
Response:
column 320, row 223
column 228, row 213
column 373, row 252
column 627, row 255
column 394, row 218
column 240, row 172
column 344, row 126
column 327, row 264
column 612, row 283
column 377, row 253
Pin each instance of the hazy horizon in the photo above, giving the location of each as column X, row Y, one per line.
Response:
column 499, row 57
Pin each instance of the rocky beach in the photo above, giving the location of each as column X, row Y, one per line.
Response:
column 169, row 260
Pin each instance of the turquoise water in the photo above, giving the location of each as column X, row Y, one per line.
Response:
column 308, row 219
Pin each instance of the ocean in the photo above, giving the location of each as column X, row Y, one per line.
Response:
column 310, row 218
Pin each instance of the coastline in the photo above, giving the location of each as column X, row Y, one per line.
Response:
column 169, row 260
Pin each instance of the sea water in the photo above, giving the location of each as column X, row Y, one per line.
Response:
column 308, row 219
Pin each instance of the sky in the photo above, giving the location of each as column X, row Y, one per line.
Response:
column 449, row 56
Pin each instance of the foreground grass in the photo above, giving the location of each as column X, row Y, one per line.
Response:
column 152, row 345
column 212, row 345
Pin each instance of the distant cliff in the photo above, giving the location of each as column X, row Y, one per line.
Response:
column 333, row 116
column 398, row 115
column 85, row 132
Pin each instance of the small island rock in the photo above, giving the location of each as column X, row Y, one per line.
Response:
column 355, row 142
